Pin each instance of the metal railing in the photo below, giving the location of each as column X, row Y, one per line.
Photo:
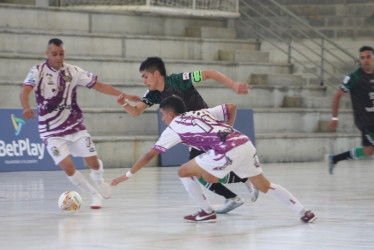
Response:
column 304, row 45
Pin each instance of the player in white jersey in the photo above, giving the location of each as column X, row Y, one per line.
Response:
column 226, row 150
column 61, row 120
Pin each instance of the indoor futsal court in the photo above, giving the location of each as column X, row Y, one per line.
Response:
column 146, row 212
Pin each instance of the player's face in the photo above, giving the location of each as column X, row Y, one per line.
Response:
column 167, row 116
column 150, row 79
column 56, row 55
column 367, row 61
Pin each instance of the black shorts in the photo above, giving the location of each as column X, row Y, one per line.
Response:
column 194, row 152
column 367, row 137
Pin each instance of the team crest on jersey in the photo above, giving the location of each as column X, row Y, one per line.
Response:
column 67, row 78
column 186, row 76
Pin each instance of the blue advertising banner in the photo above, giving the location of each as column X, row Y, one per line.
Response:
column 21, row 148
column 179, row 154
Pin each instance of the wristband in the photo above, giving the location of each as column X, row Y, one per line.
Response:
column 128, row 174
column 334, row 118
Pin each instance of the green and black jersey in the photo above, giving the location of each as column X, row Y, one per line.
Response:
column 180, row 85
column 361, row 87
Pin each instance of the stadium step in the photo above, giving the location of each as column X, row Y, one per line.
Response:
column 122, row 46
column 123, row 151
column 260, row 96
column 243, row 56
column 109, row 69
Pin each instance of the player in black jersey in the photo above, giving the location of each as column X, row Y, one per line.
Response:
column 360, row 84
column 160, row 86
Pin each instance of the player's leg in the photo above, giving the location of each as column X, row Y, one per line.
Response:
column 355, row 153
column 283, row 196
column 60, row 153
column 188, row 177
column 83, row 146
column 97, row 171
column 232, row 200
column 78, row 180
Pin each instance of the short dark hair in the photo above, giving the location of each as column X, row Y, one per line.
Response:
column 173, row 103
column 367, row 48
column 153, row 63
column 55, row 41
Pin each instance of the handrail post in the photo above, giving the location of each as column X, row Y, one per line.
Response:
column 289, row 40
column 322, row 60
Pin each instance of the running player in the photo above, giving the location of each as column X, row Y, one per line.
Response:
column 160, row 86
column 360, row 84
column 226, row 150
column 61, row 124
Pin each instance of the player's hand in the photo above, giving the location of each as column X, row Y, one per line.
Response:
column 241, row 88
column 121, row 99
column 333, row 124
column 133, row 98
column 28, row 113
column 118, row 180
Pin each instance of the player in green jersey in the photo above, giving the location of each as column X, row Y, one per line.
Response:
column 160, row 86
column 360, row 84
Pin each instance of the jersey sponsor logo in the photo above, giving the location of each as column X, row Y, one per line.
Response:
column 186, row 76
column 197, row 76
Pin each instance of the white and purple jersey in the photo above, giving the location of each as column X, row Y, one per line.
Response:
column 203, row 129
column 56, row 97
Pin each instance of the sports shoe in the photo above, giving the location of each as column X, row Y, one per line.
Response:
column 96, row 201
column 308, row 217
column 104, row 189
column 230, row 204
column 330, row 163
column 201, row 216
column 253, row 191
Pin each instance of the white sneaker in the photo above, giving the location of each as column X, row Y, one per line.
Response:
column 105, row 189
column 96, row 201
column 230, row 204
column 253, row 191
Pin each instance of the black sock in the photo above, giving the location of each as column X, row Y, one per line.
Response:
column 341, row 157
column 233, row 178
column 220, row 189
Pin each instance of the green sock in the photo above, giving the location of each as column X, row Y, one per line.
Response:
column 223, row 180
column 358, row 153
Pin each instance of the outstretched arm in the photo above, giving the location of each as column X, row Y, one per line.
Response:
column 144, row 160
column 335, row 107
column 134, row 111
column 239, row 88
column 110, row 90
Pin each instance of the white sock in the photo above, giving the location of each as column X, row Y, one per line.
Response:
column 78, row 180
column 284, row 196
column 193, row 188
column 97, row 175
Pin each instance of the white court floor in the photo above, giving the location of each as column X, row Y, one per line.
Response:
column 147, row 212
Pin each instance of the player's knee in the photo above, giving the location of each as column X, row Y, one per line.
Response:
column 210, row 178
column 182, row 172
column 369, row 151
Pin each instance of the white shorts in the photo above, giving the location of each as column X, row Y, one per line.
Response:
column 242, row 160
column 77, row 144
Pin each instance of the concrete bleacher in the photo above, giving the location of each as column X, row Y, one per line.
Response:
column 113, row 45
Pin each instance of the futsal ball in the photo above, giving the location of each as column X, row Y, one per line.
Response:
column 70, row 201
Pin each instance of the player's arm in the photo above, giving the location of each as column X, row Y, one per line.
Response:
column 27, row 113
column 232, row 112
column 134, row 111
column 110, row 90
column 144, row 160
column 335, row 108
column 239, row 88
